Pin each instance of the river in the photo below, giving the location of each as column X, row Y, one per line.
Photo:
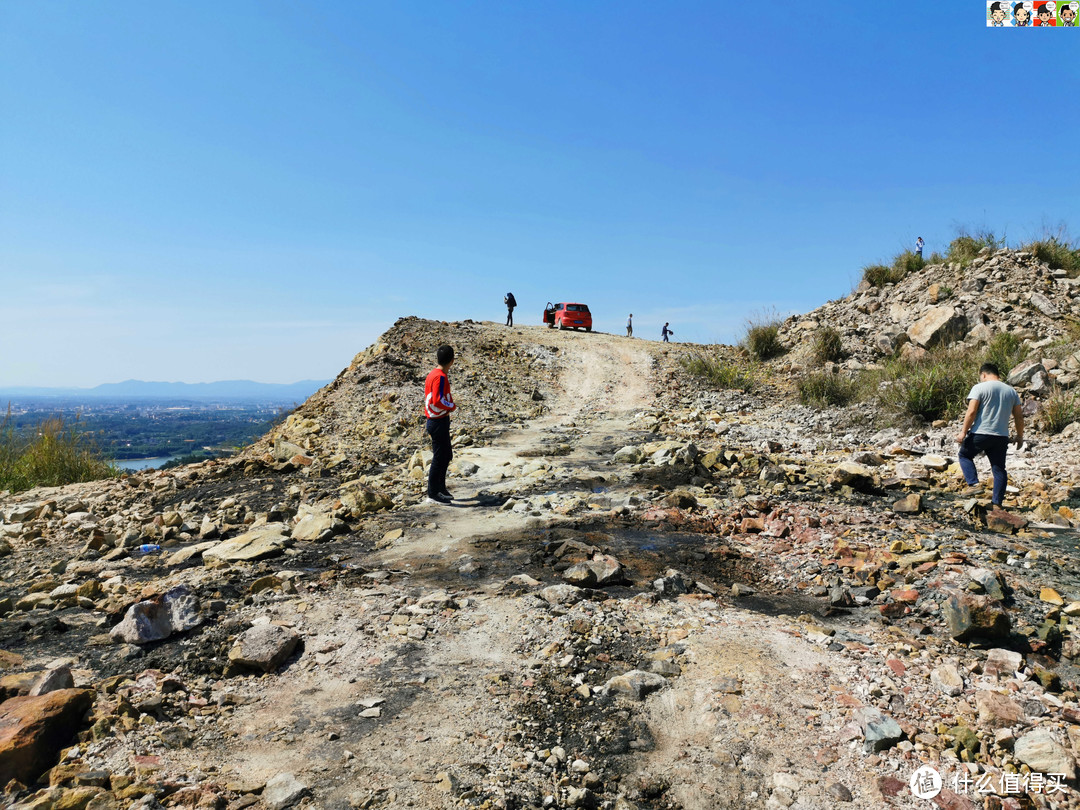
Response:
column 136, row 464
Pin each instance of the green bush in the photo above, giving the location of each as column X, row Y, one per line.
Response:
column 721, row 373
column 1058, row 411
column 965, row 247
column 827, row 345
column 878, row 275
column 822, row 389
column 945, row 292
column 1005, row 350
column 55, row 454
column 762, row 338
column 936, row 258
column 1057, row 254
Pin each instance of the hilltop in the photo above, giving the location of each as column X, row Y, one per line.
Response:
column 650, row 593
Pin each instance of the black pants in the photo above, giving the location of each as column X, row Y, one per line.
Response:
column 439, row 430
column 509, row 316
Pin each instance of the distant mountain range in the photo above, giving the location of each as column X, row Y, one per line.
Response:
column 140, row 389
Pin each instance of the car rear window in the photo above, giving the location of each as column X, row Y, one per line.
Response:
column 578, row 308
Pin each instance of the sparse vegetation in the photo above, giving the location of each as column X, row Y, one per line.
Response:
column 1056, row 252
column 903, row 263
column 721, row 373
column 907, row 262
column 762, row 338
column 931, row 389
column 878, row 275
column 1059, row 410
column 823, row 389
column 1005, row 350
column 54, row 454
column 966, row 246
column 827, row 346
column 945, row 292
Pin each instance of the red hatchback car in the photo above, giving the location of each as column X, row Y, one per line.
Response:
column 568, row 316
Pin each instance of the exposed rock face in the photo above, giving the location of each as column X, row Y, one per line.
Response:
column 34, row 729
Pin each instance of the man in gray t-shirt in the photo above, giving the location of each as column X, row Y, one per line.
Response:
column 986, row 428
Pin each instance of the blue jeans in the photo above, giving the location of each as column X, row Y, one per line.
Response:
column 994, row 447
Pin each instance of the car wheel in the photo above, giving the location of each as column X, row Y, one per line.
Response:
column 562, row 326
column 588, row 328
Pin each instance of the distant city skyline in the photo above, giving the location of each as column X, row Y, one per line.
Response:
column 257, row 190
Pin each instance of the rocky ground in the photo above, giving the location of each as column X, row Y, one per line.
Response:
column 648, row 594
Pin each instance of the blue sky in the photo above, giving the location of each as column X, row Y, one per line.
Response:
column 196, row 191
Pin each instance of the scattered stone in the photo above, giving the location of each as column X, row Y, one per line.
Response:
column 283, row 790
column 637, row 683
column 879, row 730
column 264, row 647
column 947, row 678
column 52, row 680
column 1002, row 663
column 265, row 541
column 910, row 504
column 173, row 612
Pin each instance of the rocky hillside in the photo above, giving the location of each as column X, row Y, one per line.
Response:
column 648, row 594
column 949, row 305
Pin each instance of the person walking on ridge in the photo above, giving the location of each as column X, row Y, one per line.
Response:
column 438, row 404
column 630, row 325
column 919, row 246
column 510, row 302
column 986, row 429
column 665, row 332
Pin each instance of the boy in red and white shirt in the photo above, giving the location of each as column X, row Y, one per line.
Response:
column 438, row 404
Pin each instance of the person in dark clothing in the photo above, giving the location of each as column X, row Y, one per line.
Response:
column 438, row 405
column 510, row 302
column 665, row 332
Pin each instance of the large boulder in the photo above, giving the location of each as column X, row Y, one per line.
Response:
column 264, row 647
column 970, row 616
column 1023, row 373
column 265, row 541
column 174, row 611
column 856, row 476
column 1042, row 753
column 360, row 498
column 33, row 731
column 938, row 327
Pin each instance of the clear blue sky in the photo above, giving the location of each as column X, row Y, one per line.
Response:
column 199, row 191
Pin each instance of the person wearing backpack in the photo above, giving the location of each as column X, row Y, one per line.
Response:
column 510, row 302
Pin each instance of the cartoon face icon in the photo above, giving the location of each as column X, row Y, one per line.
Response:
column 1068, row 15
column 1021, row 14
column 997, row 14
column 1045, row 15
